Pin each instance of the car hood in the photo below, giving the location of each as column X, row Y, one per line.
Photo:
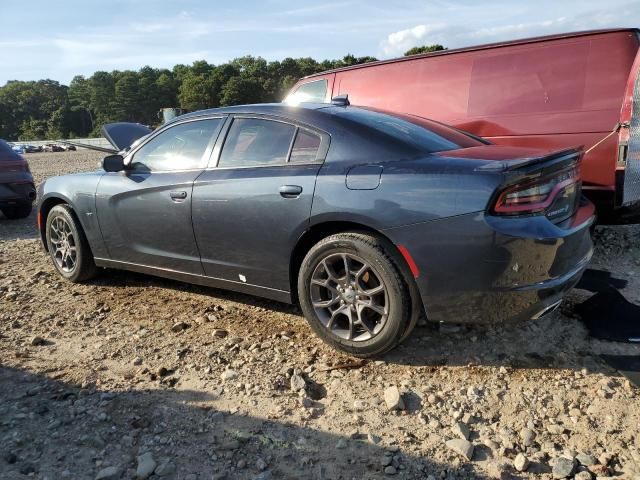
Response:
column 123, row 134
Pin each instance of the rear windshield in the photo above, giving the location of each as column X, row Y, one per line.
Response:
column 6, row 151
column 425, row 135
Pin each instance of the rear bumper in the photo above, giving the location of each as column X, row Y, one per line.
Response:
column 17, row 191
column 477, row 268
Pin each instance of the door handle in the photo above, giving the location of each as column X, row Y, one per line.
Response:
column 178, row 195
column 290, row 191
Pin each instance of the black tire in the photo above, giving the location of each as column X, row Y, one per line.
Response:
column 84, row 267
column 374, row 252
column 15, row 212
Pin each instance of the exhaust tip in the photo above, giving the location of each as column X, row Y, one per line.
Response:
column 32, row 195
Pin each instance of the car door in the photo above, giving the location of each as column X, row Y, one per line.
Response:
column 144, row 212
column 250, row 209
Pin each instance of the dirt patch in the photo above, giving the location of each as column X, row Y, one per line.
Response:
column 98, row 379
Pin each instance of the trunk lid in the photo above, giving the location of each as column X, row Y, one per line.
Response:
column 123, row 134
column 533, row 181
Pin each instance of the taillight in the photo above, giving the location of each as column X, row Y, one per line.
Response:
column 554, row 194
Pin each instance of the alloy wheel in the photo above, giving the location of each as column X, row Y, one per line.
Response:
column 349, row 297
column 62, row 244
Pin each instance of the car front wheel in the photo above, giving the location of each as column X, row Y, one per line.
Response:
column 353, row 294
column 67, row 245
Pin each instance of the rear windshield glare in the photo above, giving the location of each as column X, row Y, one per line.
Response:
column 425, row 135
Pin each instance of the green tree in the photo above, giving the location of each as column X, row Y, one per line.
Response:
column 424, row 49
column 239, row 90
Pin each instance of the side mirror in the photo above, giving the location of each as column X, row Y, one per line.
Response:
column 113, row 163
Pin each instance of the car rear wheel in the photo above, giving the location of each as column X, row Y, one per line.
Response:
column 14, row 212
column 353, row 294
column 67, row 245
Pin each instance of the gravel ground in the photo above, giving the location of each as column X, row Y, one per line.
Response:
column 131, row 376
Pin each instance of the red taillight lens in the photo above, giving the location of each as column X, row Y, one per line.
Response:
column 535, row 196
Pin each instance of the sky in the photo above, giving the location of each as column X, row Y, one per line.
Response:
column 58, row 40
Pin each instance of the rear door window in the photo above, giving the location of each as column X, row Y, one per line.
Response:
column 312, row 92
column 256, row 142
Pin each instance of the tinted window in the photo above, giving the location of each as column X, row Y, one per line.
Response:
column 6, row 150
column 179, row 148
column 420, row 133
column 253, row 141
column 305, row 147
column 314, row 92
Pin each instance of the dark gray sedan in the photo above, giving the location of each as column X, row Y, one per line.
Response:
column 367, row 219
column 17, row 191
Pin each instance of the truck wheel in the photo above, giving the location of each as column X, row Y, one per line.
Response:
column 68, row 246
column 353, row 295
column 14, row 212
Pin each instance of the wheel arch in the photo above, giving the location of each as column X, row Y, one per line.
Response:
column 43, row 212
column 324, row 229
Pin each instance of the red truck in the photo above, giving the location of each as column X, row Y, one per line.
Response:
column 549, row 92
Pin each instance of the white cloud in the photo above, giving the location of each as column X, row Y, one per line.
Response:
column 399, row 42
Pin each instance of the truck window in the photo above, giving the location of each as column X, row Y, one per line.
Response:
column 312, row 92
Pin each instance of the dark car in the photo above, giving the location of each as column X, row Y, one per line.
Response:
column 367, row 219
column 33, row 148
column 53, row 147
column 17, row 191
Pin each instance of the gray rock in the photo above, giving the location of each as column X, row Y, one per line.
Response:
column 461, row 430
column 146, row 466
column 584, row 475
column 229, row 375
column 586, row 460
column 360, row 405
column 37, row 341
column 563, row 467
column 528, row 436
column 109, row 473
column 390, row 470
column 393, row 398
column 137, row 361
column 342, row 443
column 297, row 382
column 165, row 469
column 386, row 460
column 267, row 475
column 261, row 464
column 521, row 462
column 219, row 333
column 463, row 447
column 179, row 327
column 555, row 429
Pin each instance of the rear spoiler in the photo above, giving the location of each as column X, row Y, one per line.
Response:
column 559, row 156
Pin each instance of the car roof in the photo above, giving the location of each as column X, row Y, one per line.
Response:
column 314, row 114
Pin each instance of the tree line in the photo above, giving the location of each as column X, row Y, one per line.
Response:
column 47, row 109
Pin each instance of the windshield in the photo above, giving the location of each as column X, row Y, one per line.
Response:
column 425, row 135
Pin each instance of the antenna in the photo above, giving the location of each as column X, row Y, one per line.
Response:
column 341, row 100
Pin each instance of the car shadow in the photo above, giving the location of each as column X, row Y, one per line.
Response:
column 21, row 229
column 55, row 429
column 123, row 278
column 558, row 340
